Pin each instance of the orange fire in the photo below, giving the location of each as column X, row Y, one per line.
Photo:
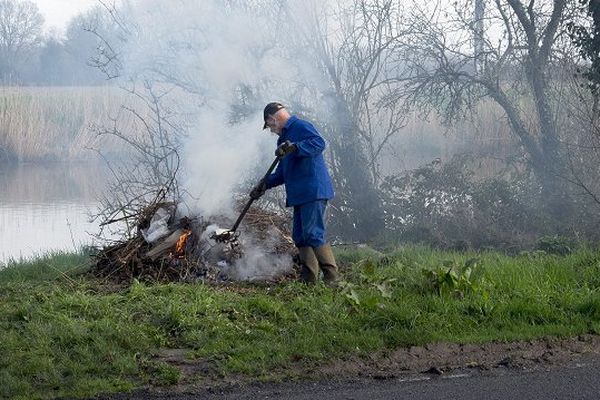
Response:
column 180, row 246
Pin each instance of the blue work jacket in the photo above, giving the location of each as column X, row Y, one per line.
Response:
column 304, row 171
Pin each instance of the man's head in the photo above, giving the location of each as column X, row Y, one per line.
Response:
column 275, row 116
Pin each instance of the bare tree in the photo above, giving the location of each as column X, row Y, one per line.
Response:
column 149, row 128
column 516, row 54
column 583, row 147
column 109, row 26
column 148, row 125
column 478, row 39
column 20, row 31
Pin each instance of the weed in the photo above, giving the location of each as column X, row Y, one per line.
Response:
column 456, row 280
column 160, row 373
column 555, row 245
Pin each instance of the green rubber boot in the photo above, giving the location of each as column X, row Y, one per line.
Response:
column 327, row 263
column 310, row 265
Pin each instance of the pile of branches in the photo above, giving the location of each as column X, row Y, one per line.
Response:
column 185, row 252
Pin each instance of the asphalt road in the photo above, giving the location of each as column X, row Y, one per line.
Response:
column 579, row 380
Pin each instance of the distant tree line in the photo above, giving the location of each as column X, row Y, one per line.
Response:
column 28, row 56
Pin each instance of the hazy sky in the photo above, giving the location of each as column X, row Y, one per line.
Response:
column 58, row 12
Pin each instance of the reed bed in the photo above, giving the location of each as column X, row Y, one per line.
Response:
column 53, row 123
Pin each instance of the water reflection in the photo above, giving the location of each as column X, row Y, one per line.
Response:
column 45, row 207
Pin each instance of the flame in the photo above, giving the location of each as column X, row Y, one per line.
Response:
column 180, row 246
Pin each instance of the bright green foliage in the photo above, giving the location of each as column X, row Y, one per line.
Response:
column 457, row 280
column 66, row 335
column 555, row 245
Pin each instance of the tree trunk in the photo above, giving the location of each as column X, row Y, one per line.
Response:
column 357, row 212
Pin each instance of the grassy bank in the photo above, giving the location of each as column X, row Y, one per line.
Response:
column 66, row 335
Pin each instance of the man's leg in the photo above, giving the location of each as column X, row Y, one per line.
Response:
column 310, row 264
column 313, row 232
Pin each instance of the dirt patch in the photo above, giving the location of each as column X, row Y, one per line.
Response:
column 201, row 378
column 438, row 359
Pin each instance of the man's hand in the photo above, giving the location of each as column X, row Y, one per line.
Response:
column 285, row 148
column 258, row 190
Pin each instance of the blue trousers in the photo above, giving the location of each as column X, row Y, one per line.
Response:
column 309, row 224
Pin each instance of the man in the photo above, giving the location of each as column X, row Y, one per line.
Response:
column 308, row 188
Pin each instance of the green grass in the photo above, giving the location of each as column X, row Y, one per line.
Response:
column 68, row 336
column 43, row 268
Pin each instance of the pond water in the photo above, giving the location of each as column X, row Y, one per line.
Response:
column 45, row 208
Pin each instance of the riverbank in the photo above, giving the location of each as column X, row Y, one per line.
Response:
column 67, row 334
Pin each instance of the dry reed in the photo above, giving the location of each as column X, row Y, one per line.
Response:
column 53, row 123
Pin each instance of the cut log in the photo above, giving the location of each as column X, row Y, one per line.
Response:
column 164, row 246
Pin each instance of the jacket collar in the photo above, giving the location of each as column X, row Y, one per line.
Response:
column 287, row 126
column 290, row 121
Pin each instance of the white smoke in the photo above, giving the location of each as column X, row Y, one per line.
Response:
column 259, row 260
column 258, row 265
column 216, row 158
column 211, row 48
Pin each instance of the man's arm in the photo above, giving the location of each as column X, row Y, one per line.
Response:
column 309, row 143
column 276, row 178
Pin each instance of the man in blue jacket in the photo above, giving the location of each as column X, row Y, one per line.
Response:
column 307, row 186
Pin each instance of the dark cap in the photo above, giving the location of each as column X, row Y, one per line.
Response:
column 271, row 109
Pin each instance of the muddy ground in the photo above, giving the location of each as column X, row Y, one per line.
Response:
column 202, row 380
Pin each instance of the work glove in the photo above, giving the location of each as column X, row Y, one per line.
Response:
column 285, row 148
column 258, row 190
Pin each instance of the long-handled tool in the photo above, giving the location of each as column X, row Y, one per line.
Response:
column 230, row 235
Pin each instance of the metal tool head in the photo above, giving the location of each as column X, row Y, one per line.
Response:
column 224, row 236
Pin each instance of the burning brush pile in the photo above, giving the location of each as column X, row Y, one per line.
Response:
column 168, row 247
